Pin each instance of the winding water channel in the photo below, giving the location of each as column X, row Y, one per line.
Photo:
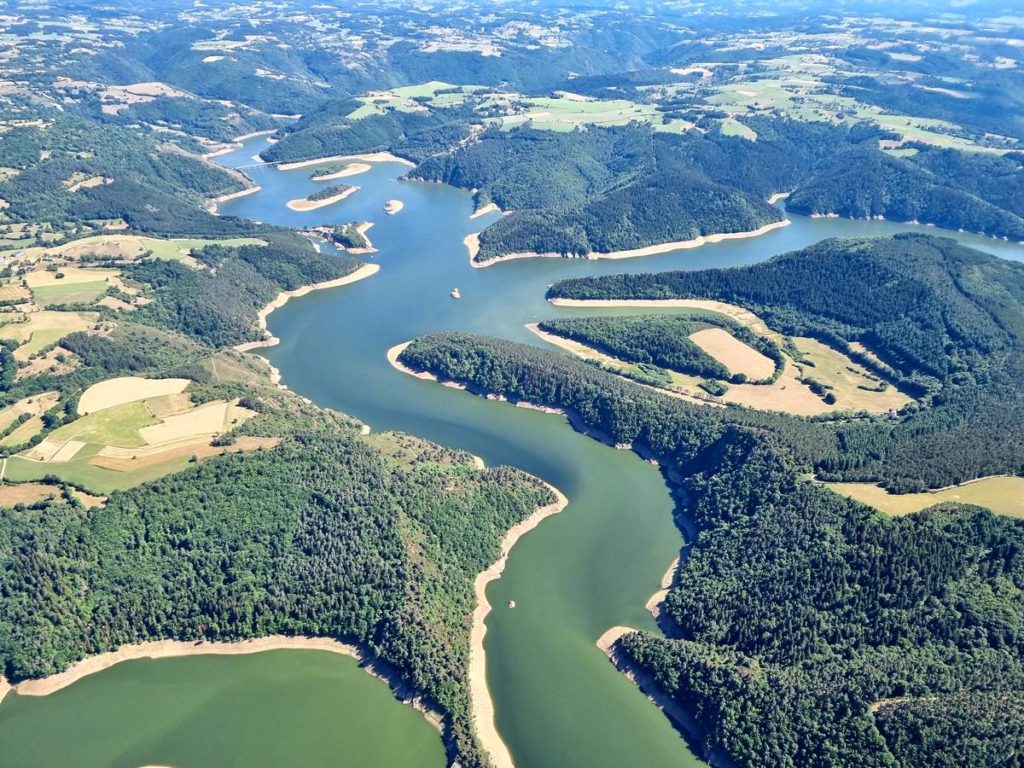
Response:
column 558, row 701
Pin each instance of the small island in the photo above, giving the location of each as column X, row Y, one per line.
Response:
column 391, row 207
column 340, row 171
column 324, row 197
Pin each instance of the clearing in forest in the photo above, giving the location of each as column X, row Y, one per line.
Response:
column 41, row 329
column 1003, row 495
column 733, row 353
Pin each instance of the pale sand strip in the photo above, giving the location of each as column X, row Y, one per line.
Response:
column 654, row 602
column 349, row 170
column 213, row 204
column 305, row 204
column 489, row 208
column 162, row 649
column 479, row 694
column 651, row 250
column 362, row 229
column 391, row 207
column 778, row 196
column 371, row 157
column 282, row 298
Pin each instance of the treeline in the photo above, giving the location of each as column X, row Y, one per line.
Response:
column 926, row 305
column 219, row 306
column 945, row 191
column 607, row 189
column 798, row 609
column 661, row 340
column 330, row 132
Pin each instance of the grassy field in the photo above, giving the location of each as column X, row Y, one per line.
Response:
column 131, row 247
column 69, row 293
column 26, row 493
column 41, row 329
column 126, row 389
column 847, row 379
column 119, row 425
column 405, row 98
column 568, row 111
column 1003, row 495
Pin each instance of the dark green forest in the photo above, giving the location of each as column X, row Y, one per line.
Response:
column 312, row 537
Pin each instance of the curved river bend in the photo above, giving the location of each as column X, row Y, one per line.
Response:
column 558, row 701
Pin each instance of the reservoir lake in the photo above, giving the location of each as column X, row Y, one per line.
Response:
column 559, row 703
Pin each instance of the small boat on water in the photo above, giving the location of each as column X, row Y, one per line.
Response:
column 511, row 603
column 455, row 293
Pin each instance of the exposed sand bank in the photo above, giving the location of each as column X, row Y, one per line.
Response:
column 479, row 693
column 161, row 649
column 654, row 602
column 362, row 229
column 305, row 204
column 282, row 298
column 371, row 157
column 391, row 207
column 778, row 196
column 650, row 250
column 350, row 170
column 213, row 204
column 489, row 208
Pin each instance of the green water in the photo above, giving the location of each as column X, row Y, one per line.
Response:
column 278, row 708
column 558, row 701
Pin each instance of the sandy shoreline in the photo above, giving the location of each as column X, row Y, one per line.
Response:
column 370, row 157
column 351, row 170
column 654, row 602
column 651, row 250
column 213, row 204
column 489, row 208
column 163, row 649
column 305, row 204
column 282, row 298
column 479, row 694
column 362, row 229
column 777, row 197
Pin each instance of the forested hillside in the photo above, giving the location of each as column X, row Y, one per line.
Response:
column 311, row 537
column 789, row 588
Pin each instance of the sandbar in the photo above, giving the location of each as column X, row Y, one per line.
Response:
column 391, row 207
column 362, row 229
column 651, row 250
column 349, row 170
column 489, row 208
column 212, row 205
column 282, row 298
column 370, row 157
column 306, row 204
